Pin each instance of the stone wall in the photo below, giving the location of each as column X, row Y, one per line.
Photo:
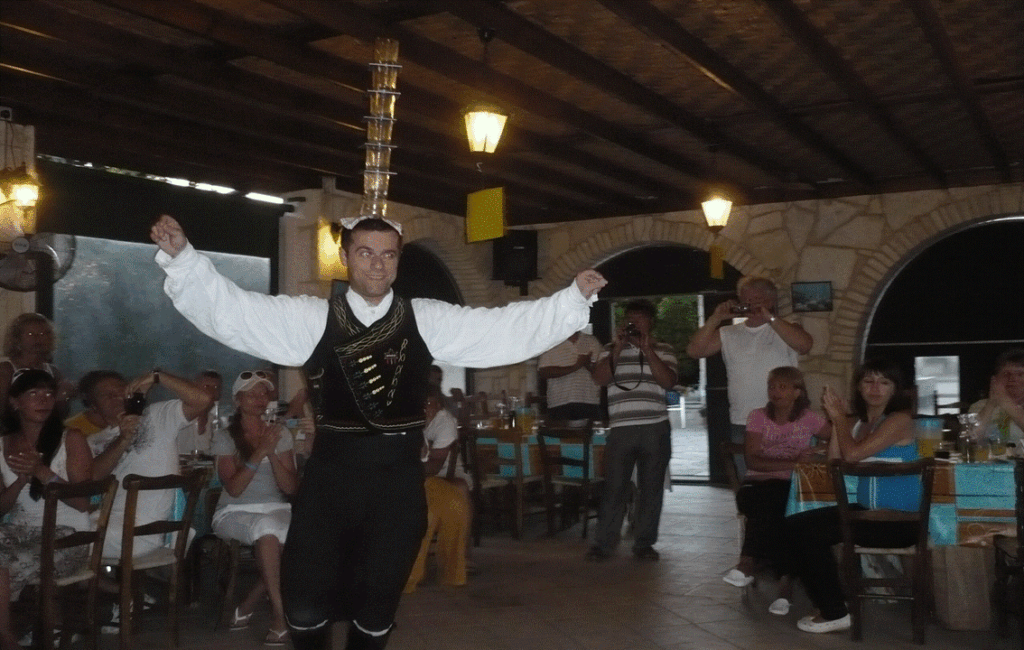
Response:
column 856, row 243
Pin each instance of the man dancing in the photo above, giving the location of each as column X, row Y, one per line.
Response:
column 360, row 513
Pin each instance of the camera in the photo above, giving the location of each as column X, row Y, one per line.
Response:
column 632, row 330
column 135, row 404
column 740, row 309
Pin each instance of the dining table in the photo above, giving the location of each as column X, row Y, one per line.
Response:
column 513, row 454
column 971, row 503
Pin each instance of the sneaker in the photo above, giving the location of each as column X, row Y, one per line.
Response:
column 779, row 607
column 808, row 624
column 737, row 578
column 646, row 554
column 596, row 554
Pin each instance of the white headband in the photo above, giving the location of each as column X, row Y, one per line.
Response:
column 350, row 223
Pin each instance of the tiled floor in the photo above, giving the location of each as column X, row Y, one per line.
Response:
column 539, row 594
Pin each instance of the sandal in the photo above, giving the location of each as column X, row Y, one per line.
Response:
column 239, row 622
column 276, row 637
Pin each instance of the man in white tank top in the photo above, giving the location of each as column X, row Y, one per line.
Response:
column 750, row 348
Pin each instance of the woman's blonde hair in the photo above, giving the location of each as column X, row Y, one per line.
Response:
column 12, row 339
column 794, row 377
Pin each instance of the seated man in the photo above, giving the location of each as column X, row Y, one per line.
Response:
column 197, row 436
column 144, row 444
column 449, row 513
column 1004, row 408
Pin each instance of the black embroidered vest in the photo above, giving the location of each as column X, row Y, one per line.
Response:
column 368, row 380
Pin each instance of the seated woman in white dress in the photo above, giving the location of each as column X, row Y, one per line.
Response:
column 256, row 464
column 35, row 451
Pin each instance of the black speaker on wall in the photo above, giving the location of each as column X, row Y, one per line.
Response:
column 515, row 257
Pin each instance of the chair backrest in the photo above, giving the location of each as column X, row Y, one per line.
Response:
column 924, row 469
column 728, row 452
column 191, row 484
column 53, row 494
column 1018, row 477
column 565, row 433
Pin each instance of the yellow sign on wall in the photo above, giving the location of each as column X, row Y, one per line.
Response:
column 485, row 214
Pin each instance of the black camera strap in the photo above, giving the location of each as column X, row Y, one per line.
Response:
column 611, row 363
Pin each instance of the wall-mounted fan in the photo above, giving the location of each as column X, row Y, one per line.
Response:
column 32, row 260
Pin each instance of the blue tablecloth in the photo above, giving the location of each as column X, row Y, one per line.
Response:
column 970, row 501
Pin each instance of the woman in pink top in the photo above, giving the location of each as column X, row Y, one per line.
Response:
column 778, row 436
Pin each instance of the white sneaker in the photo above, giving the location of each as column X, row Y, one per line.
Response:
column 779, row 607
column 737, row 578
column 807, row 624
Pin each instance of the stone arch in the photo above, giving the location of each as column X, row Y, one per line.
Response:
column 859, row 300
column 433, row 232
column 603, row 246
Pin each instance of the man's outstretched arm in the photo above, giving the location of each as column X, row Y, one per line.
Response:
column 281, row 329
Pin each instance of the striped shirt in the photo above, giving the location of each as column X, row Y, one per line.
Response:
column 634, row 397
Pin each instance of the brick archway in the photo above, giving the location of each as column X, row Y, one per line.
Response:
column 603, row 246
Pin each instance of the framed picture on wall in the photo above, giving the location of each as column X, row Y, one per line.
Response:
column 812, row 296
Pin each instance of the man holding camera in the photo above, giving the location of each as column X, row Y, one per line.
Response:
column 750, row 349
column 637, row 371
column 138, row 439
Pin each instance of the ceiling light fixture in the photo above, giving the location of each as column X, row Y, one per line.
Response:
column 484, row 122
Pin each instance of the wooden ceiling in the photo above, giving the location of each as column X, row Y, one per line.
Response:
column 618, row 107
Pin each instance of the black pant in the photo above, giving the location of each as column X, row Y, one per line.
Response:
column 357, row 523
column 811, row 536
column 648, row 447
column 574, row 411
column 763, row 503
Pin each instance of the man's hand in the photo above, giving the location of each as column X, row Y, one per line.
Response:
column 583, row 361
column 168, row 235
column 997, row 392
column 589, row 282
column 128, row 426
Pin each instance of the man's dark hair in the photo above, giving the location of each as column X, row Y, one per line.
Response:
column 211, row 374
column 1011, row 357
column 87, row 384
column 367, row 225
column 643, row 306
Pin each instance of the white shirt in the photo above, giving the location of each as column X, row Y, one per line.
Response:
column 153, row 452
column 441, row 432
column 578, row 386
column 286, row 329
column 750, row 353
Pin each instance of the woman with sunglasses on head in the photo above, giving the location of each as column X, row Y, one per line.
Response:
column 880, row 427
column 256, row 464
column 28, row 343
column 36, row 450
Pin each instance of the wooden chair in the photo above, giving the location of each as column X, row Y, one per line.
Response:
column 554, row 463
column 1010, row 562
column 502, row 494
column 50, row 587
column 918, row 578
column 165, row 556
column 728, row 452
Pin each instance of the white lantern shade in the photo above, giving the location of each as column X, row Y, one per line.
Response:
column 716, row 211
column 483, row 128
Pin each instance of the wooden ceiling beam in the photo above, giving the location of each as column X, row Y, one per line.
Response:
column 236, row 33
column 795, row 23
column 937, row 36
column 252, row 120
column 661, row 27
column 531, row 39
column 345, row 18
